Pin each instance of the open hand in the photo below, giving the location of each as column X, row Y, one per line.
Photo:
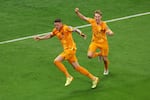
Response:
column 83, row 35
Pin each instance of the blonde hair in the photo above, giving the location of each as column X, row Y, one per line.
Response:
column 98, row 12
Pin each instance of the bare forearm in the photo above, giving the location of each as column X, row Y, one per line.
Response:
column 109, row 31
column 80, row 33
column 80, row 14
column 43, row 37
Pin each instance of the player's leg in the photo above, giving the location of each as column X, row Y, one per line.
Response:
column 106, row 63
column 92, row 51
column 61, row 67
column 104, row 54
column 58, row 62
column 83, row 71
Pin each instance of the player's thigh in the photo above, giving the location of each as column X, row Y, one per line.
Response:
column 92, row 47
column 59, row 58
column 72, row 59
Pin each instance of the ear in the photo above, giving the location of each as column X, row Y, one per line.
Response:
column 101, row 17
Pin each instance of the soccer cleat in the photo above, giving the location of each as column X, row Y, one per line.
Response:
column 94, row 83
column 106, row 72
column 68, row 80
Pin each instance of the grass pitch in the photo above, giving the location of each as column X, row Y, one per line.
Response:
column 27, row 71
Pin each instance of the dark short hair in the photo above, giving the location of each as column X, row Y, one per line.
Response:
column 57, row 20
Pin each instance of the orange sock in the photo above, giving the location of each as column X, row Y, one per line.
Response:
column 85, row 72
column 62, row 68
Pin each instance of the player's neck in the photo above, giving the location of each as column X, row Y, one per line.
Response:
column 98, row 22
column 60, row 28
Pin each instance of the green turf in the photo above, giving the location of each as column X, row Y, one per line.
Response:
column 27, row 71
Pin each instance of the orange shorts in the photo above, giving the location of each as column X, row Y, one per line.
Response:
column 69, row 54
column 102, row 47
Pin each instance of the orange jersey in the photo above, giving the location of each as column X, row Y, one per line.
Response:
column 99, row 31
column 65, row 36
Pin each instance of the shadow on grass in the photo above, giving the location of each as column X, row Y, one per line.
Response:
column 84, row 93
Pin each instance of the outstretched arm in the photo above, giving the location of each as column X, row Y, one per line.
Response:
column 109, row 31
column 43, row 37
column 80, row 14
column 79, row 32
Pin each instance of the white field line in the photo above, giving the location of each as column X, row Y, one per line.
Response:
column 82, row 26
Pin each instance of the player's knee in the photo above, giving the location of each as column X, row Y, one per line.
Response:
column 89, row 56
column 55, row 62
column 105, row 58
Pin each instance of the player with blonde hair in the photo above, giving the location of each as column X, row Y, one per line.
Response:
column 99, row 37
column 64, row 34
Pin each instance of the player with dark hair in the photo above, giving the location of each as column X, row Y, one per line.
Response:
column 64, row 34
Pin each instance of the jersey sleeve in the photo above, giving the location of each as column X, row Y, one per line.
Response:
column 68, row 28
column 53, row 33
column 90, row 20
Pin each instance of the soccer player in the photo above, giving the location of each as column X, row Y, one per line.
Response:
column 64, row 34
column 99, row 37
